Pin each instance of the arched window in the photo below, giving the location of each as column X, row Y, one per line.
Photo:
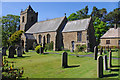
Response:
column 23, row 19
column 39, row 38
column 48, row 38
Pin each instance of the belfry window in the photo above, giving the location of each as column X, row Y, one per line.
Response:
column 23, row 19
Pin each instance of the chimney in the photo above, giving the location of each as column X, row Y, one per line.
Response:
column 115, row 26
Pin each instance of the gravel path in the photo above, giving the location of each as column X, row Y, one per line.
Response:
column 89, row 55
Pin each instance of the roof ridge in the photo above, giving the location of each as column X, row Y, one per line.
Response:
column 51, row 19
column 80, row 19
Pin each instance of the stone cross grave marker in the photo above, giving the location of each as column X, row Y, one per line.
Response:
column 105, row 62
column 64, row 60
column 11, row 52
column 4, row 51
column 95, row 52
column 100, row 67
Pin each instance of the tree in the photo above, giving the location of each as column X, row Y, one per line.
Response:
column 100, row 28
column 113, row 17
column 100, row 13
column 15, row 37
column 10, row 24
column 81, row 14
column 73, row 16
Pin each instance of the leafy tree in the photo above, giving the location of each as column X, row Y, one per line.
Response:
column 81, row 14
column 100, row 13
column 73, row 16
column 10, row 24
column 15, row 37
column 113, row 17
column 100, row 28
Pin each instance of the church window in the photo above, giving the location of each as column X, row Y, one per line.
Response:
column 39, row 38
column 119, row 42
column 79, row 36
column 107, row 41
column 48, row 38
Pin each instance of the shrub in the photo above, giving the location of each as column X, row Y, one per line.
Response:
column 9, row 72
column 15, row 37
column 80, row 48
column 37, row 48
column 49, row 46
column 99, row 47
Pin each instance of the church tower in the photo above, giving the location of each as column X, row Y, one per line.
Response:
column 28, row 18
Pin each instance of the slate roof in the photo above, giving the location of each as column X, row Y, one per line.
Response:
column 46, row 26
column 77, row 25
column 112, row 33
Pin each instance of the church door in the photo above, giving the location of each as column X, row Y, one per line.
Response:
column 72, row 45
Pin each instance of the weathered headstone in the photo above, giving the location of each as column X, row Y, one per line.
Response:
column 19, row 51
column 105, row 62
column 101, row 50
column 110, row 58
column 4, row 51
column 11, row 52
column 100, row 67
column 64, row 60
column 95, row 52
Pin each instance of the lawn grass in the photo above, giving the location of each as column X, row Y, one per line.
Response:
column 49, row 66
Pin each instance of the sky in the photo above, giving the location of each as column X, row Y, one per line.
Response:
column 50, row 10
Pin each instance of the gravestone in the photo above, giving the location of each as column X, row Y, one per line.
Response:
column 110, row 58
column 64, row 60
column 19, row 51
column 11, row 52
column 4, row 51
column 95, row 52
column 101, row 50
column 100, row 67
column 105, row 62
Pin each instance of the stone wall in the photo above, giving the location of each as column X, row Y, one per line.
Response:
column 113, row 42
column 52, row 37
column 68, row 37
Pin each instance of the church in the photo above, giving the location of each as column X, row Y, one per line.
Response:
column 63, row 33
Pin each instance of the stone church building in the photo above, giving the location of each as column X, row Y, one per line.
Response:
column 111, row 38
column 63, row 33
